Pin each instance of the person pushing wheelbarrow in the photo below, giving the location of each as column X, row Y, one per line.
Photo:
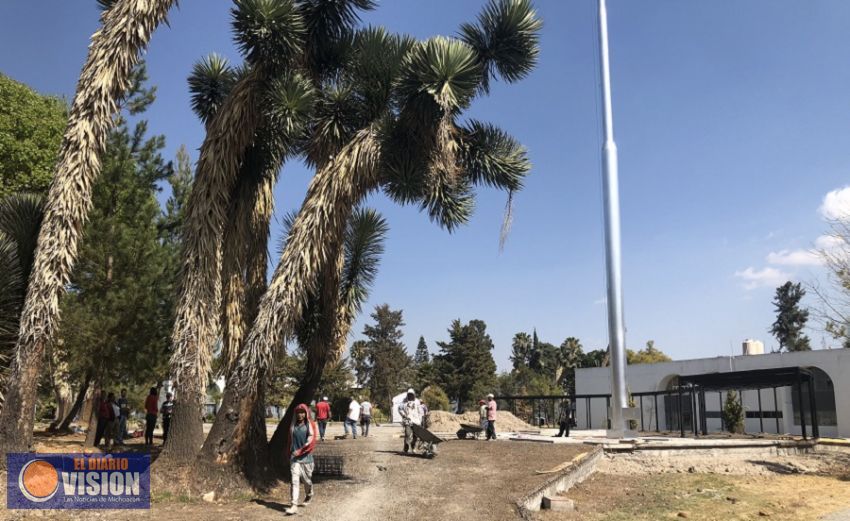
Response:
column 411, row 413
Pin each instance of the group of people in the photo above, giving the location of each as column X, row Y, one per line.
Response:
column 113, row 415
column 358, row 412
column 487, row 416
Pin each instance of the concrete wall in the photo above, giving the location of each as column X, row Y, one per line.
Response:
column 654, row 377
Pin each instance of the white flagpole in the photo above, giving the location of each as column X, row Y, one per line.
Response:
column 611, row 192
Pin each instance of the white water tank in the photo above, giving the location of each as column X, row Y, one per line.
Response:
column 753, row 347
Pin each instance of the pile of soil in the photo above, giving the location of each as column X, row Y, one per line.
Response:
column 441, row 421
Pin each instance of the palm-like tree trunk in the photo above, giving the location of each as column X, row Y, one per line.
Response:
column 114, row 50
column 325, row 347
column 244, row 276
column 315, row 239
column 199, row 301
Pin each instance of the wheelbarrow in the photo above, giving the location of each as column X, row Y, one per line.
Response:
column 467, row 429
column 428, row 441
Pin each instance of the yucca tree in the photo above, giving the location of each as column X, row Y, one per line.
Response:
column 406, row 140
column 246, row 232
column 126, row 27
column 343, row 288
column 276, row 37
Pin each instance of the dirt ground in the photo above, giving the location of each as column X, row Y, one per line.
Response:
column 467, row 481
column 787, row 488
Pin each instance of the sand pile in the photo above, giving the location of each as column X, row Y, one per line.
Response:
column 442, row 421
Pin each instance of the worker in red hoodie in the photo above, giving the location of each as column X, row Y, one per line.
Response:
column 323, row 414
column 303, row 435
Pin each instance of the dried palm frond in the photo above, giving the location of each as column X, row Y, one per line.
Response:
column 198, row 305
column 315, row 236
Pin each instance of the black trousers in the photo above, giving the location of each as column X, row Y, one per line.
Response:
column 565, row 428
column 491, row 429
column 150, row 424
column 100, row 430
column 166, row 424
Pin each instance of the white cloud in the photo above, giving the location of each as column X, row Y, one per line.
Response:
column 795, row 258
column 766, row 277
column 828, row 242
column 836, row 204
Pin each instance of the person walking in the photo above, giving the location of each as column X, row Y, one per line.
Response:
column 303, row 436
column 123, row 414
column 482, row 416
column 352, row 418
column 166, row 410
column 491, row 417
column 411, row 413
column 565, row 414
column 151, row 410
column 323, row 414
column 365, row 417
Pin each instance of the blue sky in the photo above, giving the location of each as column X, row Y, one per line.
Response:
column 732, row 121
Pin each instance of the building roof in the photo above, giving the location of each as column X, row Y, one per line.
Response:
column 752, row 379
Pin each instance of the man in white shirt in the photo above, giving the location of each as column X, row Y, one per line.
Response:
column 352, row 418
column 365, row 417
column 411, row 412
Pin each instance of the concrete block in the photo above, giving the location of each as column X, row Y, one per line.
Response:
column 558, row 503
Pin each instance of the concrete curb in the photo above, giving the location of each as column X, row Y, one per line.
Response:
column 561, row 482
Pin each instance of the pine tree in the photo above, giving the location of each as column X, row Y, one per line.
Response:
column 421, row 356
column 790, row 318
column 424, row 367
column 116, row 314
column 465, row 364
column 520, row 350
column 387, row 363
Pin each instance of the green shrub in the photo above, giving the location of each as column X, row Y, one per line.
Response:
column 435, row 398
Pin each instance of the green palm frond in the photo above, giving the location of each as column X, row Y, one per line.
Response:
column 268, row 32
column 492, row 157
column 506, row 39
column 210, row 82
column 12, row 284
column 20, row 220
column 403, row 173
column 329, row 26
column 377, row 58
column 364, row 244
column 336, row 118
column 288, row 104
column 446, row 69
column 449, row 202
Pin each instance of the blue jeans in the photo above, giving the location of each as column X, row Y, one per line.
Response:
column 323, row 424
column 122, row 429
column 353, row 424
column 365, row 421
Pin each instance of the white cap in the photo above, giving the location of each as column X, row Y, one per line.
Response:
column 411, row 391
column 490, row 395
column 325, row 398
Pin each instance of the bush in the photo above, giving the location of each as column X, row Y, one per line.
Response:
column 733, row 413
column 435, row 398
